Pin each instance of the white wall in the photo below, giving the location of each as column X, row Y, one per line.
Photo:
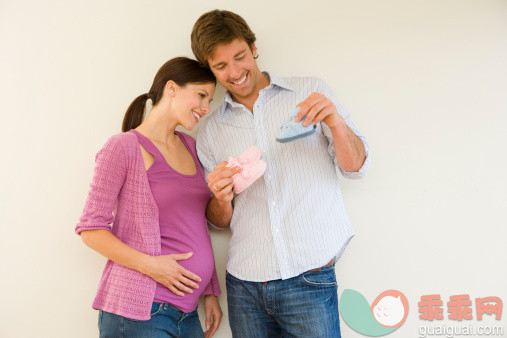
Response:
column 425, row 81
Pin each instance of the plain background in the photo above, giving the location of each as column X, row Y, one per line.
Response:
column 425, row 81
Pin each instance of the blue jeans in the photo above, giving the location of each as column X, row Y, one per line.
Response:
column 303, row 306
column 166, row 321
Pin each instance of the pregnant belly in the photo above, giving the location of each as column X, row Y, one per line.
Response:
column 201, row 263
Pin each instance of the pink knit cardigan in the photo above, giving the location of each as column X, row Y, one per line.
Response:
column 120, row 194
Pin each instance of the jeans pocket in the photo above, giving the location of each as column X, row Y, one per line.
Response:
column 325, row 277
column 228, row 276
column 155, row 309
column 232, row 281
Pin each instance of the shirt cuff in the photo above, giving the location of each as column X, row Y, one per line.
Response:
column 364, row 168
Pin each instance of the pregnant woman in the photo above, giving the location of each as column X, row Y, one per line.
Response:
column 149, row 185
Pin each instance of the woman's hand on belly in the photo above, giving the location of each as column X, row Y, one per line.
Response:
column 166, row 270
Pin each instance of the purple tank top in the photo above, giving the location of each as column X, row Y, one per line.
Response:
column 181, row 201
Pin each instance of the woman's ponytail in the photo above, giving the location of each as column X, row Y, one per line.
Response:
column 182, row 71
column 135, row 113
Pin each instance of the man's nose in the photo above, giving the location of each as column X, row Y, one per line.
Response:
column 234, row 72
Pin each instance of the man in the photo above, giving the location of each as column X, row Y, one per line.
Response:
column 290, row 226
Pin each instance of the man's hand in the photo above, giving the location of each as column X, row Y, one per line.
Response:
column 350, row 155
column 219, row 209
column 213, row 314
column 317, row 108
column 220, row 182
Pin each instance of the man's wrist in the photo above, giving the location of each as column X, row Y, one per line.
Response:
column 339, row 130
column 222, row 204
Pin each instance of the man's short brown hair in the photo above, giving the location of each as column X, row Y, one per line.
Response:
column 215, row 28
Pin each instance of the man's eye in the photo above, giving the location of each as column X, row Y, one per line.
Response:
column 241, row 58
column 202, row 95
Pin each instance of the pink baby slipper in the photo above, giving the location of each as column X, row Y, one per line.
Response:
column 252, row 167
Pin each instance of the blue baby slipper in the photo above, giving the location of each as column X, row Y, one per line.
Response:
column 291, row 130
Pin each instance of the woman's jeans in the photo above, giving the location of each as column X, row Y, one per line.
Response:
column 303, row 306
column 166, row 321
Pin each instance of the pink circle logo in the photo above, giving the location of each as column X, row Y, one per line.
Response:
column 390, row 308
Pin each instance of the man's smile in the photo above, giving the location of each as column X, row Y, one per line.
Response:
column 240, row 82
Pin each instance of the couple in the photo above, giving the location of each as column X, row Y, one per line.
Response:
column 288, row 228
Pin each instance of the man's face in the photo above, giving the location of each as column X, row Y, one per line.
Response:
column 235, row 68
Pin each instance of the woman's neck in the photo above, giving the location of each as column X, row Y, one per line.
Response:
column 159, row 127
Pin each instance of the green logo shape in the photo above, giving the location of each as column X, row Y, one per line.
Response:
column 356, row 312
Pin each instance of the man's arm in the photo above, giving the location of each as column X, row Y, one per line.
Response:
column 219, row 210
column 350, row 150
column 219, row 214
column 351, row 154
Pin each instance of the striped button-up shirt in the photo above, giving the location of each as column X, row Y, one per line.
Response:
column 293, row 218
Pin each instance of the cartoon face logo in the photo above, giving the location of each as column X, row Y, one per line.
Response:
column 387, row 312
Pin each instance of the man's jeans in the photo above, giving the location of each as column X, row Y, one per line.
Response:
column 303, row 306
column 166, row 321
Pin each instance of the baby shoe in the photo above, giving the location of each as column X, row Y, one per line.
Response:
column 252, row 167
column 291, row 130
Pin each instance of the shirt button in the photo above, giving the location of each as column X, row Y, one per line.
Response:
column 277, row 230
column 273, row 202
column 269, row 177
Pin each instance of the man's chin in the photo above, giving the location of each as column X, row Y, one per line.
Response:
column 240, row 93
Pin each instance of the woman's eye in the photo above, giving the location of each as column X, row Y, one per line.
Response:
column 202, row 95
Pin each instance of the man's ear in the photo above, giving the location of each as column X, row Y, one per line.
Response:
column 253, row 48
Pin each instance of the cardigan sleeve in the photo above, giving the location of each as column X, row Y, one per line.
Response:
column 108, row 178
column 213, row 288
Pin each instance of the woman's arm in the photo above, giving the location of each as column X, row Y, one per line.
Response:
column 212, row 307
column 95, row 224
column 213, row 314
column 163, row 269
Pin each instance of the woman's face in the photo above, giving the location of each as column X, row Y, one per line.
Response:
column 192, row 102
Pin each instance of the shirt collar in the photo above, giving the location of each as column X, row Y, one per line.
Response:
column 274, row 81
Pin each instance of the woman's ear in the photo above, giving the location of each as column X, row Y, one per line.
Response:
column 170, row 88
